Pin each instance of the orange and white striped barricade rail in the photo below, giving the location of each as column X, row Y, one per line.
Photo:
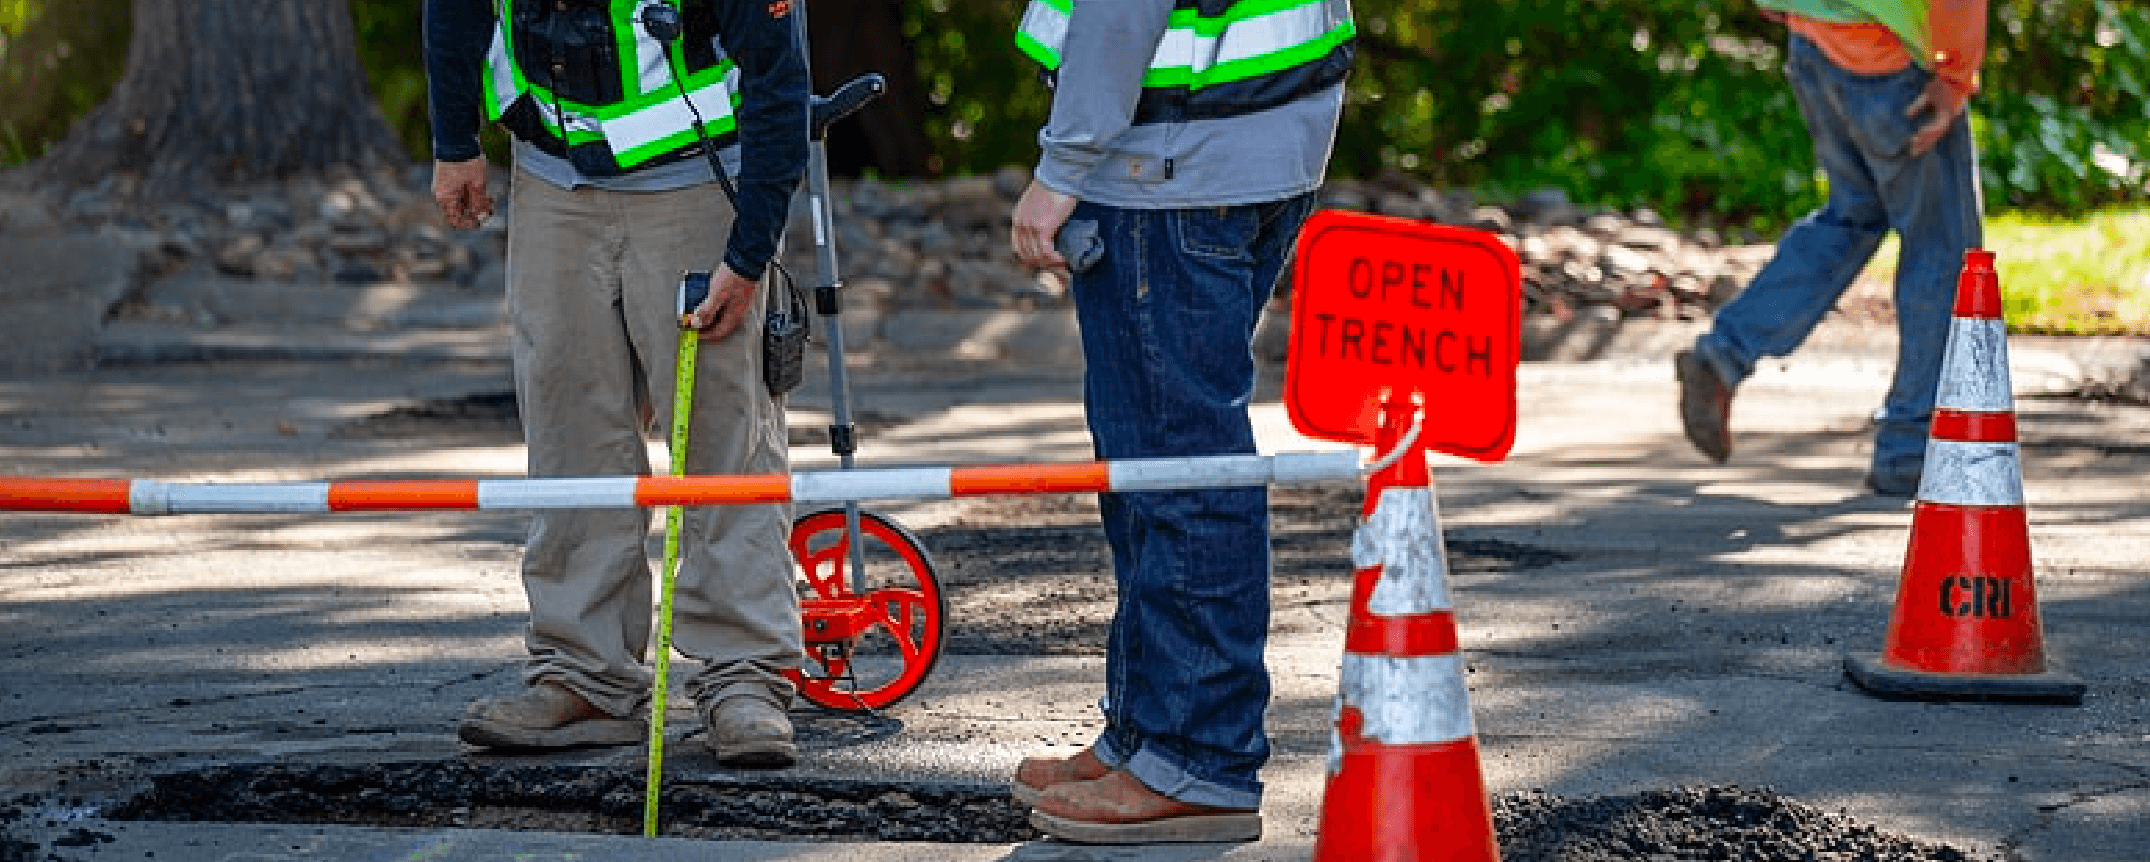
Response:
column 156, row 497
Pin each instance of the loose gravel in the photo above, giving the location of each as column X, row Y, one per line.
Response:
column 1733, row 824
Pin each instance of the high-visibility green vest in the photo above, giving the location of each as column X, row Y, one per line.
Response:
column 624, row 110
column 1219, row 57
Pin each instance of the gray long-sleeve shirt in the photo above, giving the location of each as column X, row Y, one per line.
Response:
column 1094, row 152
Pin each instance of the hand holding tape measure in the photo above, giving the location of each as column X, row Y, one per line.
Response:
column 714, row 303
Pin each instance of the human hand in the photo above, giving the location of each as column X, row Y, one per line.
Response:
column 459, row 189
column 1943, row 103
column 1036, row 221
column 731, row 295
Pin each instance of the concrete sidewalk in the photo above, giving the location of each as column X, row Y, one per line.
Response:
column 1691, row 631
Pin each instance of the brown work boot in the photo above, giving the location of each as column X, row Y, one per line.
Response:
column 1035, row 774
column 1705, row 405
column 1118, row 809
column 546, row 715
column 747, row 731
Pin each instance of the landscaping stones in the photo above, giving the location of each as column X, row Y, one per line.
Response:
column 914, row 250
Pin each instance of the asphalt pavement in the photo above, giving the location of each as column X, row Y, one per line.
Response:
column 1689, row 629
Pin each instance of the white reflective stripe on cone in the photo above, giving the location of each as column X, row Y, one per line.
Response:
column 1974, row 371
column 1971, row 474
column 1404, row 538
column 1416, row 700
column 604, row 492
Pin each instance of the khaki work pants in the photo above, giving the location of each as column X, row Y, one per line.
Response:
column 592, row 283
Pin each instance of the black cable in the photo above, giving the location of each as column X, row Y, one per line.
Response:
column 665, row 33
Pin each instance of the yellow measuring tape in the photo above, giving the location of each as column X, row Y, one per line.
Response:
column 690, row 341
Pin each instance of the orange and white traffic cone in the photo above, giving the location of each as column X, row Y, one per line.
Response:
column 1404, row 781
column 1966, row 623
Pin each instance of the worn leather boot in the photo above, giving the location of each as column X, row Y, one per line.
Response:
column 1705, row 406
column 747, row 731
column 546, row 715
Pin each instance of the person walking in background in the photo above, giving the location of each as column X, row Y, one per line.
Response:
column 613, row 199
column 1882, row 85
column 1188, row 139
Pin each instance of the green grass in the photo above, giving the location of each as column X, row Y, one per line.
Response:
column 2061, row 276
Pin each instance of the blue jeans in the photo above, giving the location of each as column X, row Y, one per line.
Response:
column 1168, row 320
column 1862, row 139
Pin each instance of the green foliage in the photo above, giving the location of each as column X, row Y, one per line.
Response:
column 2061, row 275
column 1671, row 104
column 2066, row 103
column 1627, row 103
column 987, row 101
column 392, row 50
column 391, row 45
column 57, row 61
column 1677, row 105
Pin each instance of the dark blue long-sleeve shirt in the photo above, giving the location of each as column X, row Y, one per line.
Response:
column 771, row 116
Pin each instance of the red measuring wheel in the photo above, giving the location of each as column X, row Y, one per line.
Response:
column 871, row 640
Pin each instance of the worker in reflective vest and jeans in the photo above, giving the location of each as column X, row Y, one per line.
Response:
column 1189, row 138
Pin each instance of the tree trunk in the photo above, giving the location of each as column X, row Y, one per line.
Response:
column 227, row 92
column 850, row 37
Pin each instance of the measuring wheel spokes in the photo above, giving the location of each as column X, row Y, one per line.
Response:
column 870, row 640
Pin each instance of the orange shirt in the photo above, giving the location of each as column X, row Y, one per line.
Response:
column 1959, row 38
column 1861, row 49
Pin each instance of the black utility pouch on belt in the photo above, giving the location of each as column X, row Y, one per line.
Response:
column 786, row 326
column 784, row 333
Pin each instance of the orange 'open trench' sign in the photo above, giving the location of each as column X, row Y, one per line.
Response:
column 1384, row 306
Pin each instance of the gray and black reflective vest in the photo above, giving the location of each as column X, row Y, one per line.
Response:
column 581, row 80
column 1220, row 58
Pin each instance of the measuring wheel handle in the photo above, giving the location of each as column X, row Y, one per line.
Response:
column 868, row 647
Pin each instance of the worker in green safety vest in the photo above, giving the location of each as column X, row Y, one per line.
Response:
column 1182, row 154
column 614, row 196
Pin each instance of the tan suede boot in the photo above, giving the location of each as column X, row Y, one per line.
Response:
column 747, row 731
column 546, row 715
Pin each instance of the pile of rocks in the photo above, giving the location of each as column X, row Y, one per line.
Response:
column 917, row 253
column 926, row 264
column 945, row 244
column 354, row 229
